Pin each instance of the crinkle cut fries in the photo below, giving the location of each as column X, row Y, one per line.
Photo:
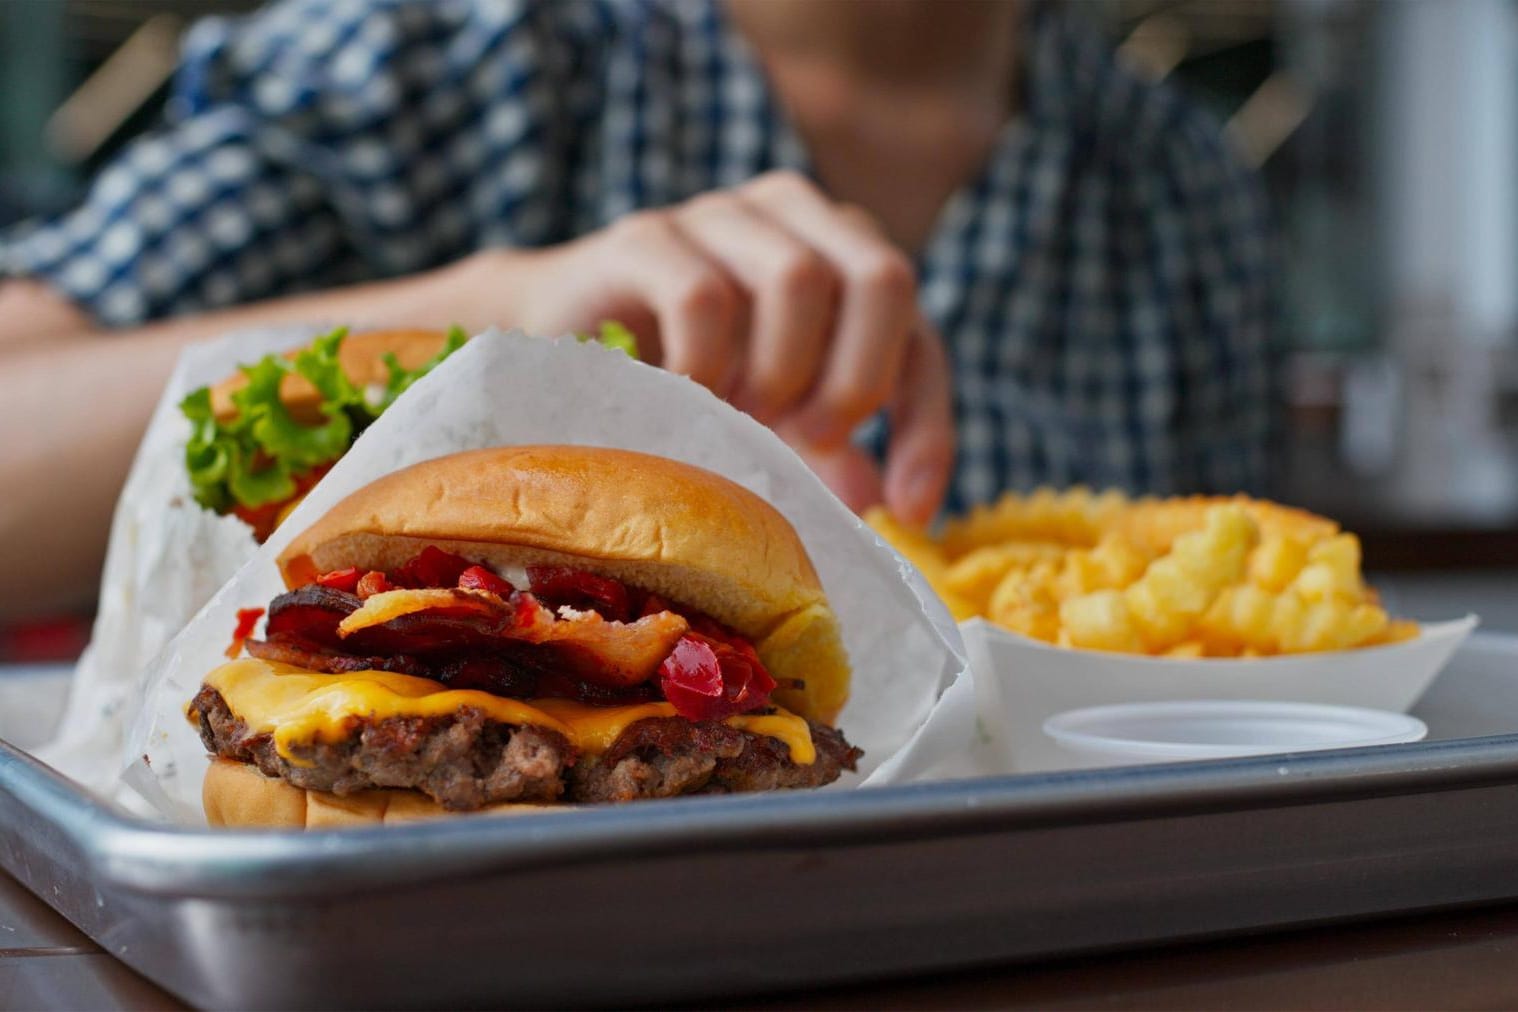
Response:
column 1202, row 576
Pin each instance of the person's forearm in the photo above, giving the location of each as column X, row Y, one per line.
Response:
column 31, row 316
column 74, row 401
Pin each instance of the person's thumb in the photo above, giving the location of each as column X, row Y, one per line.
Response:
column 848, row 470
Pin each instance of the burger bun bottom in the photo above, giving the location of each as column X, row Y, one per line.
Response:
column 237, row 796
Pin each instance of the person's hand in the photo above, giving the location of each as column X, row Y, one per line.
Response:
column 792, row 306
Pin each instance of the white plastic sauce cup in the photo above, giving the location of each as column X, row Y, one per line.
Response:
column 1130, row 733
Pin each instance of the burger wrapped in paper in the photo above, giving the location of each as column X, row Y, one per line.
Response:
column 526, row 626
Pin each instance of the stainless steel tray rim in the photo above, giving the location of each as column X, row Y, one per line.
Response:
column 150, row 857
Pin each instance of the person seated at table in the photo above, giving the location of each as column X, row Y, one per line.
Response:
column 819, row 210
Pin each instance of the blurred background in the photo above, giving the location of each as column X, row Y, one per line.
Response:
column 1387, row 132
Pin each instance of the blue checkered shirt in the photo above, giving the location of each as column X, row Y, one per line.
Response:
column 1103, row 284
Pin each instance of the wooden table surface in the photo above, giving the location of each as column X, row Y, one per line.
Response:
column 1460, row 960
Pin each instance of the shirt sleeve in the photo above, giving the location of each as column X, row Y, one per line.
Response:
column 316, row 143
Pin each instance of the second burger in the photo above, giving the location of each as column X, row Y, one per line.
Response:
column 265, row 435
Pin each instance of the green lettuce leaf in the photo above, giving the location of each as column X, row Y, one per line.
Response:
column 255, row 457
column 208, row 452
column 615, row 335
column 319, row 364
column 286, row 442
column 252, row 488
column 401, row 379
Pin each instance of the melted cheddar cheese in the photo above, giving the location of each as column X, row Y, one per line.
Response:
column 297, row 707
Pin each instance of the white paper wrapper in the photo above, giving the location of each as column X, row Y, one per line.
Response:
column 167, row 556
column 1019, row 682
column 506, row 389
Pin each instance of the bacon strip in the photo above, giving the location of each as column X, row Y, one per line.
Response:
column 312, row 613
column 627, row 653
column 618, row 654
column 287, row 649
column 384, row 607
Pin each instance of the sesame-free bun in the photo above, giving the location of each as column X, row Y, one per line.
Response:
column 684, row 533
column 362, row 356
column 236, row 795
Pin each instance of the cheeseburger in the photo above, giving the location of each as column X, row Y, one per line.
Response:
column 262, row 437
column 528, row 625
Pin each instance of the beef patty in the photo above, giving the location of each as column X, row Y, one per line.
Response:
column 464, row 761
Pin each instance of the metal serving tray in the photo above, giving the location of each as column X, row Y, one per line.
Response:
column 717, row 897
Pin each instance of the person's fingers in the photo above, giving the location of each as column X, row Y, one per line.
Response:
column 698, row 305
column 791, row 289
column 860, row 219
column 920, row 456
column 849, row 471
column 876, row 311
